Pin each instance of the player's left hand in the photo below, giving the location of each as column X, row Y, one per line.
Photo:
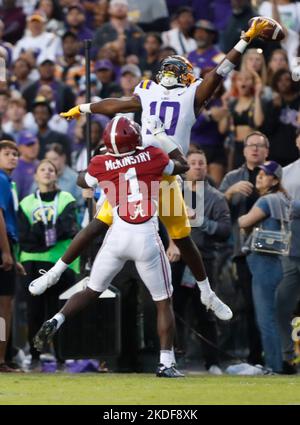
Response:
column 254, row 31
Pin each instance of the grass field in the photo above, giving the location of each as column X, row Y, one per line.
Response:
column 112, row 389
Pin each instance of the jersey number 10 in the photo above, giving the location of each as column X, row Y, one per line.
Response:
column 169, row 110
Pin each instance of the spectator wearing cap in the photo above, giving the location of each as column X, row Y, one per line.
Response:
column 75, row 20
column 23, row 175
column 18, row 118
column 149, row 15
column 179, row 37
column 120, row 29
column 42, row 113
column 63, row 95
column 39, row 41
column 268, row 212
column 71, row 63
column 105, row 73
column 207, row 55
column 149, row 62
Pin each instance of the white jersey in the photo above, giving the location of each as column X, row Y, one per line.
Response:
column 175, row 108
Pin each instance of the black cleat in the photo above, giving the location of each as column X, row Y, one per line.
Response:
column 168, row 372
column 45, row 334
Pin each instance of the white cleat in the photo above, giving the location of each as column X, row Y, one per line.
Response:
column 213, row 302
column 39, row 285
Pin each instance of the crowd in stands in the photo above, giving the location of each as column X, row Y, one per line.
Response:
column 253, row 116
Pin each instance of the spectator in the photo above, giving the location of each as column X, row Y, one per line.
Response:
column 8, row 239
column 208, row 134
column 5, row 48
column 254, row 61
column 14, row 19
column 206, row 55
column 165, row 52
column 238, row 187
column 53, row 15
column 149, row 62
column 42, row 113
column 278, row 60
column 18, row 119
column 105, row 73
column 149, row 15
column 215, row 228
column 71, row 62
column 20, row 78
column 179, row 37
column 63, row 95
column 266, row 269
column 67, row 177
column 287, row 13
column 36, row 39
column 282, row 119
column 4, row 101
column 288, row 293
column 43, row 236
column 23, row 174
column 75, row 20
column 56, row 122
column 246, row 112
column 119, row 28
column 115, row 53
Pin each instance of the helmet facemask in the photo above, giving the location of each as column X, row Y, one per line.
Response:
column 172, row 73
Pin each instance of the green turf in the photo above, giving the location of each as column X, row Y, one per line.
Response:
column 146, row 389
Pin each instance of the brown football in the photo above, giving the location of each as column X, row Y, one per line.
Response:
column 273, row 32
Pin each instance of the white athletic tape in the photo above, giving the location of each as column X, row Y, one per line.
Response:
column 225, row 68
column 241, row 46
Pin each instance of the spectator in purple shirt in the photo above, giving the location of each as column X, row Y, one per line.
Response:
column 75, row 20
column 206, row 55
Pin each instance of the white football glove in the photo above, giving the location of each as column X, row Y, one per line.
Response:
column 154, row 124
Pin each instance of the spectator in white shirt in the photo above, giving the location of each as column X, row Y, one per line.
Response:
column 36, row 39
column 179, row 37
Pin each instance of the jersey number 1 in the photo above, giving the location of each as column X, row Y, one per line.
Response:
column 130, row 176
column 173, row 108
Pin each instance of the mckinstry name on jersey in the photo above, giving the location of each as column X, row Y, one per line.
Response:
column 114, row 164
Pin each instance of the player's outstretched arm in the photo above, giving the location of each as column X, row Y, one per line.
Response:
column 108, row 106
column 213, row 78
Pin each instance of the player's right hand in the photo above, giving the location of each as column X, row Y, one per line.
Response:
column 71, row 113
column 154, row 124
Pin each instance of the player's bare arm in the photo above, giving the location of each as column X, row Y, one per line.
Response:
column 260, row 27
column 108, row 106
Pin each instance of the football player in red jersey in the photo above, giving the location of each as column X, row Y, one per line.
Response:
column 129, row 174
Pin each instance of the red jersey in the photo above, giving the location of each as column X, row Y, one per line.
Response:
column 131, row 182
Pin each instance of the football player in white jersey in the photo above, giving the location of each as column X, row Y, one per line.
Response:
column 177, row 99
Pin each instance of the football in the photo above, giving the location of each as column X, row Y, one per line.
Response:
column 273, row 32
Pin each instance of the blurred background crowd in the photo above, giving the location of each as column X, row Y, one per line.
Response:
column 42, row 44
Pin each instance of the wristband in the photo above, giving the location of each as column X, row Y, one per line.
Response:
column 85, row 108
column 241, row 46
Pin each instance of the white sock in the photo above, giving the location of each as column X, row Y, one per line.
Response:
column 60, row 319
column 59, row 267
column 166, row 357
column 204, row 285
column 173, row 356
